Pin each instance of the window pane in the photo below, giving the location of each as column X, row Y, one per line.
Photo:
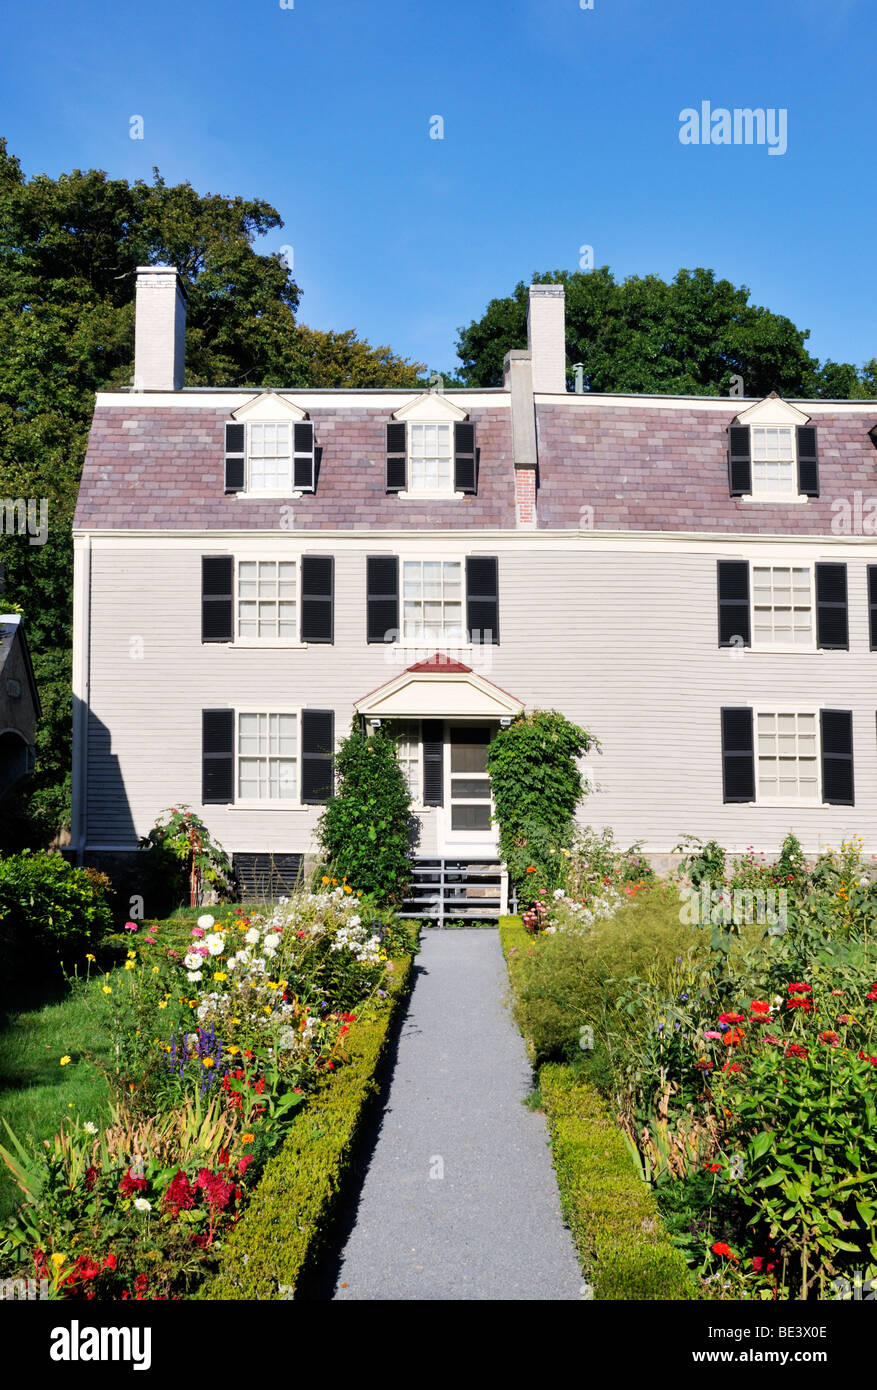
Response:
column 470, row 817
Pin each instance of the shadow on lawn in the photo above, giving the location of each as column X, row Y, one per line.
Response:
column 320, row 1279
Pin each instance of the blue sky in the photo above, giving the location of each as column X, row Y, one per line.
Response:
column 560, row 130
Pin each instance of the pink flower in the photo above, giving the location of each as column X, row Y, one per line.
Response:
column 197, row 931
column 712, row 1035
column 130, row 926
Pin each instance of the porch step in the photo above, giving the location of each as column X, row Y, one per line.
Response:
column 458, row 890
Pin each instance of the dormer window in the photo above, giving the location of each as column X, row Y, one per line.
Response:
column 772, row 454
column 269, row 449
column 431, row 450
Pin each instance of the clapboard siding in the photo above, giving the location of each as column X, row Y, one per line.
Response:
column 623, row 641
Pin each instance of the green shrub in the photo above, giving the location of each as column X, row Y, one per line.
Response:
column 180, row 835
column 367, row 829
column 568, row 979
column 50, row 913
column 283, row 1227
column 611, row 1212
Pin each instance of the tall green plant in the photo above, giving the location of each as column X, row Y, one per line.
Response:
column 367, row 829
column 536, row 786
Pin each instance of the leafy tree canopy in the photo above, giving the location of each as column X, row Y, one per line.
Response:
column 688, row 337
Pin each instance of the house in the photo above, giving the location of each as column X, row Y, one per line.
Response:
column 19, row 704
column 692, row 578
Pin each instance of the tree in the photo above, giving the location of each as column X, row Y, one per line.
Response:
column 69, row 248
column 367, row 830
column 689, row 337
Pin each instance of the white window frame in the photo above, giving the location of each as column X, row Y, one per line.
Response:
column 416, row 723
column 410, row 493
column 268, row 803
column 262, row 643
column 425, row 644
column 773, row 563
column 763, row 495
column 775, row 709
column 286, row 492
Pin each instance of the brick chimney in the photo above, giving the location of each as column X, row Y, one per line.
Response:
column 546, row 335
column 159, row 329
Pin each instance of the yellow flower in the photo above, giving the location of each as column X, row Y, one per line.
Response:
column 219, row 975
column 266, row 1008
column 58, row 1259
column 65, row 1059
column 130, row 965
column 271, row 984
column 89, row 956
column 233, row 1049
column 106, row 989
column 324, row 879
column 247, row 1138
column 132, row 955
column 162, row 1003
column 167, row 1047
column 208, row 1062
column 155, row 970
column 347, row 890
column 234, row 1020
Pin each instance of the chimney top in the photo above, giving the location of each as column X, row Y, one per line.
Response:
column 159, row 329
column 546, row 335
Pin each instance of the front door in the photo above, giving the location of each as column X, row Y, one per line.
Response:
column 468, row 805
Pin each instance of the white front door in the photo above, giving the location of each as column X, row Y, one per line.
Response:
column 466, row 816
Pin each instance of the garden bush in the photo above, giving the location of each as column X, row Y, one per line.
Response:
column 50, row 913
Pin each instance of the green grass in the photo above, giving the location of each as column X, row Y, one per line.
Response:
column 36, row 1092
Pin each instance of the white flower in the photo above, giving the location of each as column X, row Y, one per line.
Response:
column 354, row 921
column 558, row 893
column 215, row 944
column 192, row 961
column 194, row 975
column 90, row 1127
column 252, row 936
column 206, row 921
column 142, row 1205
column 272, row 941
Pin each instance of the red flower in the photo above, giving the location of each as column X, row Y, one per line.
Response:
column 179, row 1195
column 713, row 1167
column 732, row 1018
column 732, row 1037
column 731, row 1066
column 799, row 1004
column 800, row 989
column 110, row 1262
column 720, row 1248
column 129, row 1184
column 769, row 1038
column 703, row 1064
column 532, row 869
column 795, row 1050
column 243, row 1164
column 830, row 1038
column 759, row 1006
column 872, row 993
column 90, row 1178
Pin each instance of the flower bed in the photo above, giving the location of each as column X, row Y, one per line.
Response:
column 221, row 1031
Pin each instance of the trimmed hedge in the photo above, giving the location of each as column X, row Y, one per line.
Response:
column 612, row 1214
column 282, row 1228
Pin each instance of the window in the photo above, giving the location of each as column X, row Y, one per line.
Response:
column 431, row 458
column 432, row 597
column 782, row 606
column 267, row 757
column 266, row 600
column 406, row 733
column 787, row 757
column 774, row 460
column 270, row 457
column 470, row 783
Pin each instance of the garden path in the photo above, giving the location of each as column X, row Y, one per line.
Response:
column 459, row 1199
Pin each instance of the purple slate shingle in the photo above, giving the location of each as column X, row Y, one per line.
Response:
column 639, row 467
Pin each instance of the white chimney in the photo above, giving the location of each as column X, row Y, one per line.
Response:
column 546, row 335
column 159, row 329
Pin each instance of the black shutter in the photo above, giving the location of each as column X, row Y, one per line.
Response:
column 317, row 750
column 217, row 756
column 739, row 462
column 482, row 599
column 303, row 456
column 872, row 605
column 808, row 461
column 235, row 457
column 397, row 456
column 217, row 599
column 382, row 598
column 464, row 456
column 433, row 763
column 831, row 607
column 837, row 756
column 738, row 755
column 733, row 586
column 317, row 598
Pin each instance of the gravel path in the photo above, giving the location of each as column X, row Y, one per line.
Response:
column 490, row 1227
